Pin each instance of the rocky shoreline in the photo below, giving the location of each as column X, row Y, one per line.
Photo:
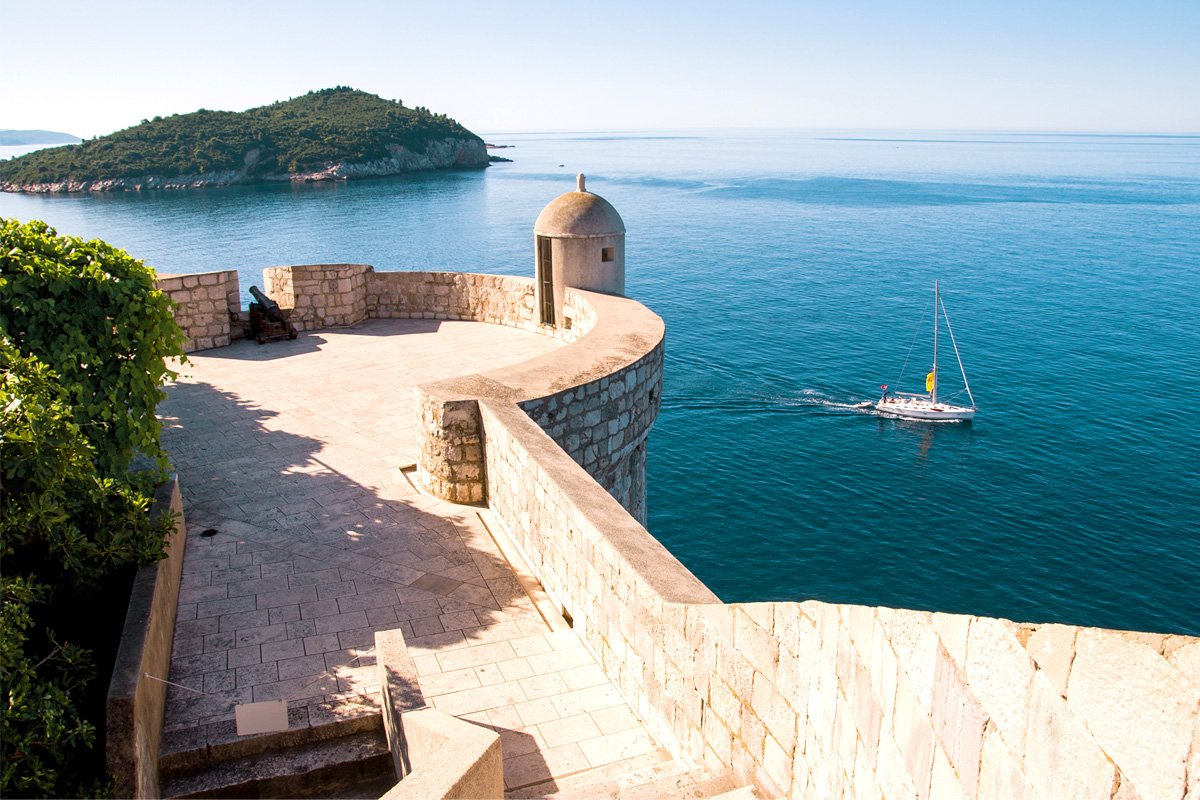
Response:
column 447, row 153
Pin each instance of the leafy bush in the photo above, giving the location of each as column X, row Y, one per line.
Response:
column 91, row 313
column 60, row 517
column 44, row 731
column 83, row 339
column 301, row 134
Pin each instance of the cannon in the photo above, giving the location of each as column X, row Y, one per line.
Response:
column 268, row 321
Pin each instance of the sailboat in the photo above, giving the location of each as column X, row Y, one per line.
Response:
column 910, row 405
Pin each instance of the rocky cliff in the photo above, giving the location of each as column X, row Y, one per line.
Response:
column 447, row 153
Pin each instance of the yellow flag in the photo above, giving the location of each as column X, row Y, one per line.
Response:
column 929, row 382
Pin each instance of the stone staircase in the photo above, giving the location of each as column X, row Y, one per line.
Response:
column 350, row 759
column 654, row 776
column 344, row 759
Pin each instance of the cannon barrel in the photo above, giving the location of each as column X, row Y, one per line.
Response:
column 270, row 308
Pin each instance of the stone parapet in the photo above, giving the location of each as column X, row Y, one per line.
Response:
column 495, row 299
column 597, row 398
column 203, row 302
column 612, row 579
column 137, row 693
column 449, row 444
column 320, row 295
column 603, row 425
column 434, row 754
column 817, row 699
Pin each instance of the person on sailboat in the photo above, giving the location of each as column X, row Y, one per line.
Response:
column 884, row 387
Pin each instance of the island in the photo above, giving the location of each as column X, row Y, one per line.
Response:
column 331, row 134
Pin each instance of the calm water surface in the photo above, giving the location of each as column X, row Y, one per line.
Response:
column 795, row 274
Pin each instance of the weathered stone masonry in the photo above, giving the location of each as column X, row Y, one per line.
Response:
column 203, row 303
column 826, row 700
column 598, row 409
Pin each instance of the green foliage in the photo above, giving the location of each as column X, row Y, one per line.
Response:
column 92, row 314
column 44, row 731
column 83, row 338
column 60, row 517
column 304, row 133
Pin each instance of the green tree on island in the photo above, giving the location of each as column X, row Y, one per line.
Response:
column 311, row 132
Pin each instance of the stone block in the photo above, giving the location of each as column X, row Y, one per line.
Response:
column 944, row 783
column 952, row 630
column 916, row 646
column 999, row 672
column 1053, row 649
column 723, row 703
column 1054, row 737
column 1184, row 655
column 958, row 720
column 868, row 717
column 822, row 699
column 845, row 736
column 891, row 774
column 1000, row 774
column 776, row 714
column 777, row 763
column 859, row 621
column 913, row 732
column 755, row 644
column 1139, row 709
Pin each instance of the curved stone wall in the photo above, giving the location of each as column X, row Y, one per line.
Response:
column 597, row 398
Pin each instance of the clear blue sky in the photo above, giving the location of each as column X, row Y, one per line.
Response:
column 93, row 67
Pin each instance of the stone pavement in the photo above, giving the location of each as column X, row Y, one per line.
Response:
column 292, row 453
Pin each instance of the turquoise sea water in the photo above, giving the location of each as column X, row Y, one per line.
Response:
column 795, row 272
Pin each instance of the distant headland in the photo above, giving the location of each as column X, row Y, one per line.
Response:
column 331, row 134
column 11, row 138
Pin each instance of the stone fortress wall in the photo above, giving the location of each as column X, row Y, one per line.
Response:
column 203, row 303
column 804, row 699
column 600, row 412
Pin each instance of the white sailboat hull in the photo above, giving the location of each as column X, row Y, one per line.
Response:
column 908, row 405
column 923, row 408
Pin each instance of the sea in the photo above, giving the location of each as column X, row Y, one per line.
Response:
column 795, row 273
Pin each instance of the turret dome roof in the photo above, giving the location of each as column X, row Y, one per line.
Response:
column 579, row 213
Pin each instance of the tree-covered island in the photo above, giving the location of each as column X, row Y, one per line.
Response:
column 331, row 134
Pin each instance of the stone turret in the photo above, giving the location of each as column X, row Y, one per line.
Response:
column 579, row 241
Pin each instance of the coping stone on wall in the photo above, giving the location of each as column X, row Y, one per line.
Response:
column 134, row 709
column 624, row 335
column 434, row 754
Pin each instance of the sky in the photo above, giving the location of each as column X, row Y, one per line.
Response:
column 90, row 68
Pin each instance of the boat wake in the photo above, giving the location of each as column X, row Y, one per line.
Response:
column 808, row 400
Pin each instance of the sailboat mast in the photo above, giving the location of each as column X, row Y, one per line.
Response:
column 933, row 395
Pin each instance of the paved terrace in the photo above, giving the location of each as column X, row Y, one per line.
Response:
column 293, row 453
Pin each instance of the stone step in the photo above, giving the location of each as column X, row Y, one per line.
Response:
column 313, row 769
column 686, row 783
column 189, row 749
column 598, row 782
column 740, row 793
column 654, row 776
